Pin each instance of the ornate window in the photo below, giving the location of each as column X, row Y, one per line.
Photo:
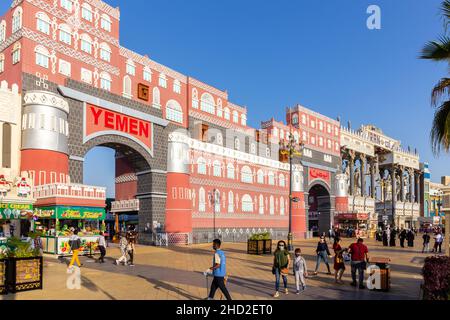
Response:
column 235, row 116
column 6, row 145
column 147, row 74
column 227, row 113
column 261, row 204
column 230, row 202
column 156, row 98
column 304, row 119
column 207, row 103
column 253, row 148
column 201, row 200
column 230, row 171
column 2, row 31
column 295, row 119
column 131, row 67
column 86, row 12
column 86, row 43
column 67, row 4
column 65, row 34
column 260, row 176
column 271, row 178
column 246, row 175
column 176, row 86
column 16, row 53
column 320, row 125
column 282, row 206
column 65, row 68
column 174, row 112
column 201, row 166
column 127, row 87
column 219, row 139
column 320, row 141
column 305, row 136
column 86, row 75
column 247, row 203
column 194, row 98
column 219, row 108
column 105, row 52
column 162, row 80
column 43, row 23
column 105, row 81
column 296, row 137
column 217, row 169
column 268, row 152
column 272, row 205
column 2, row 62
column 237, row 144
column 275, row 132
column 17, row 19
column 282, row 180
column 105, row 22
column 42, row 56
column 244, row 120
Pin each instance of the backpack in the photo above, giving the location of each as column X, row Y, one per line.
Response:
column 75, row 244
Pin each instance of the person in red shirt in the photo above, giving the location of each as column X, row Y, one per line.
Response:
column 360, row 255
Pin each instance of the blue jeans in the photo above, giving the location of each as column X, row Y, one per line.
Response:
column 277, row 279
column 358, row 266
column 322, row 255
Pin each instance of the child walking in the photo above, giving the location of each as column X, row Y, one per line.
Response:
column 300, row 270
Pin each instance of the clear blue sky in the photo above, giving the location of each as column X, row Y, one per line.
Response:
column 270, row 55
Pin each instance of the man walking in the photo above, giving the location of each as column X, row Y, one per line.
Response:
column 426, row 243
column 131, row 238
column 123, row 244
column 219, row 270
column 438, row 239
column 102, row 247
column 359, row 254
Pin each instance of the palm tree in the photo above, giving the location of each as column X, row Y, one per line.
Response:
column 440, row 51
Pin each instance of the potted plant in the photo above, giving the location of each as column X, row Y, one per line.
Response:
column 24, row 266
column 436, row 274
column 260, row 243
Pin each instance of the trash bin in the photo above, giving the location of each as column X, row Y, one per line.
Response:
column 385, row 273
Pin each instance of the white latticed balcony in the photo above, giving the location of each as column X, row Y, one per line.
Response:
column 76, row 191
column 125, row 205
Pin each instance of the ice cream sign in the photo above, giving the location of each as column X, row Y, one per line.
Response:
column 13, row 211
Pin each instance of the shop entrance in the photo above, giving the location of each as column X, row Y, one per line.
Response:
column 319, row 202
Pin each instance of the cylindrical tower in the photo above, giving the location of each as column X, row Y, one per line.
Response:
column 341, row 192
column 298, row 207
column 45, row 133
column 179, row 204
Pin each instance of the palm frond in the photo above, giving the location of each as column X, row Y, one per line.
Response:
column 437, row 50
column 442, row 88
column 445, row 9
column 440, row 131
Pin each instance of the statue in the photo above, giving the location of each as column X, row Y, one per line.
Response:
column 388, row 182
column 398, row 187
column 357, row 182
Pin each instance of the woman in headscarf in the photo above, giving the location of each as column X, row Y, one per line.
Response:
column 281, row 262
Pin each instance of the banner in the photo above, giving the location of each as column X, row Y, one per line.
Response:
column 15, row 211
column 80, row 213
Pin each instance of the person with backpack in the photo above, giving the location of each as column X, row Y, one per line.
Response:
column 75, row 245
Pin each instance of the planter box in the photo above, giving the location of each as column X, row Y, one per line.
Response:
column 24, row 274
column 259, row 247
column 3, row 277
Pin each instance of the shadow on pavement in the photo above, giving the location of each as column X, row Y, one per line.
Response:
column 158, row 284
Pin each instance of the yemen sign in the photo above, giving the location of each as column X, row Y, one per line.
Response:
column 315, row 174
column 99, row 122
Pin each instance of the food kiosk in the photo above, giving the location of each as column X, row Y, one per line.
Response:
column 13, row 214
column 55, row 224
column 357, row 222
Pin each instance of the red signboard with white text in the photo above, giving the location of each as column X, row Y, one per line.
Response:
column 315, row 174
column 100, row 121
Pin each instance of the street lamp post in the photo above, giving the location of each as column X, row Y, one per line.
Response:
column 292, row 149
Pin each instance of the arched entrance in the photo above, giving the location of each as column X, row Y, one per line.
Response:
column 319, row 202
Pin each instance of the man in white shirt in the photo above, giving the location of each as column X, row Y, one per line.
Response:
column 7, row 229
column 439, row 238
column 102, row 247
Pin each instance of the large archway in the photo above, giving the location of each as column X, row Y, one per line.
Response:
column 319, row 202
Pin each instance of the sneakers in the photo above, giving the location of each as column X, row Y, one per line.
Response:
column 353, row 284
column 286, row 291
column 276, row 295
column 298, row 292
column 131, row 265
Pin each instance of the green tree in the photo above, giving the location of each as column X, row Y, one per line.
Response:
column 439, row 51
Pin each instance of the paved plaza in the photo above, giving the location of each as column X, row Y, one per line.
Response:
column 177, row 274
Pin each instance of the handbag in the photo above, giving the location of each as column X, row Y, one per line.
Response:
column 284, row 271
